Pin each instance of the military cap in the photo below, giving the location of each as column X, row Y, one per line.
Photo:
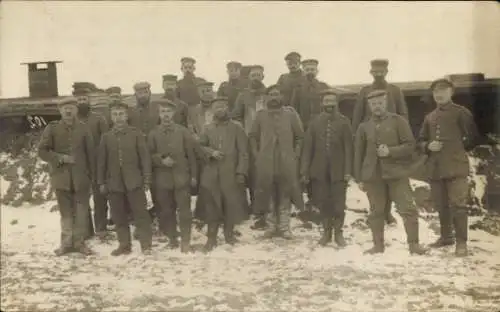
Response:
column 164, row 103
column 188, row 60
column 441, row 83
column 257, row 67
column 142, row 85
column 292, row 56
column 118, row 104
column 310, row 62
column 205, row 84
column 379, row 63
column 68, row 101
column 114, row 90
column 328, row 91
column 272, row 87
column 375, row 94
column 233, row 64
column 169, row 78
column 220, row 99
column 81, row 91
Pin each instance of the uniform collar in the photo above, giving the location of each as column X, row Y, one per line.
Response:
column 445, row 107
column 119, row 130
column 382, row 84
column 381, row 118
column 167, row 127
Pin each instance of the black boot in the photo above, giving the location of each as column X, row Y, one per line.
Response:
column 411, row 228
column 121, row 250
column 327, row 233
column 377, row 227
column 185, row 236
column 338, row 224
column 260, row 223
column 211, row 243
column 229, row 234
column 442, row 242
column 461, row 231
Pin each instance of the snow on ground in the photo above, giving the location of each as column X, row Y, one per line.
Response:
column 252, row 276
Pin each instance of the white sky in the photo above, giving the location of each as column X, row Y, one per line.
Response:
column 119, row 43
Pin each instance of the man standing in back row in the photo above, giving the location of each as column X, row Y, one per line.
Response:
column 187, row 87
column 447, row 134
column 234, row 85
column 395, row 104
column 290, row 83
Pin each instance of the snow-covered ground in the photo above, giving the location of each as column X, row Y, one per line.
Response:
column 252, row 276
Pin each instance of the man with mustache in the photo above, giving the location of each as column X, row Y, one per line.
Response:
column 276, row 140
column 225, row 145
column 97, row 126
column 187, row 87
column 396, row 104
column 326, row 162
column 234, row 85
column 68, row 147
column 383, row 148
column 447, row 134
column 181, row 116
column 290, row 83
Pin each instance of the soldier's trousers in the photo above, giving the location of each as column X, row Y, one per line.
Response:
column 74, row 212
column 170, row 202
column 135, row 200
column 450, row 199
column 100, row 209
column 330, row 198
column 278, row 217
column 399, row 191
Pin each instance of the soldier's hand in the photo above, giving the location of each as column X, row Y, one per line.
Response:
column 67, row 159
column 193, row 182
column 383, row 150
column 146, row 187
column 217, row 155
column 435, row 146
column 240, row 179
column 304, row 180
column 103, row 189
column 168, row 162
column 347, row 177
column 361, row 186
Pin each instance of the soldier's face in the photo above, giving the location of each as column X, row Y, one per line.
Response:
column 293, row 65
column 220, row 109
column 233, row 72
column 166, row 114
column 169, row 86
column 310, row 70
column 256, row 75
column 330, row 103
column 379, row 73
column 274, row 95
column 188, row 68
column 119, row 116
column 442, row 95
column 68, row 112
column 378, row 105
column 82, row 100
column 206, row 93
column 142, row 95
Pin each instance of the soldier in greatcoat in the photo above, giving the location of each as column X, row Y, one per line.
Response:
column 290, row 83
column 225, row 145
column 395, row 104
column 174, row 170
column 248, row 103
column 68, row 147
column 187, row 86
column 447, row 134
column 276, row 141
column 384, row 147
column 181, row 115
column 97, row 125
column 234, row 85
column 326, row 162
column 124, row 174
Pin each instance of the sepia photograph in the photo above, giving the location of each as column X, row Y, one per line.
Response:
column 171, row 156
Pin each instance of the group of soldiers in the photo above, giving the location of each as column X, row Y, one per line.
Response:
column 273, row 141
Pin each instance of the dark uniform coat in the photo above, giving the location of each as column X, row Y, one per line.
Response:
column 176, row 143
column 454, row 126
column 276, row 140
column 221, row 192
column 144, row 118
column 248, row 103
column 200, row 117
column 187, row 90
column 290, row 85
column 75, row 140
column 309, row 104
column 393, row 131
column 181, row 116
column 231, row 89
column 124, row 161
column 396, row 104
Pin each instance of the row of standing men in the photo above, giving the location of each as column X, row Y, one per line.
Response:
column 253, row 136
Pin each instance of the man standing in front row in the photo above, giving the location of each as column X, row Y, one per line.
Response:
column 395, row 104
column 224, row 174
column 447, row 134
column 124, row 174
column 174, row 171
column 326, row 162
column 68, row 147
column 276, row 141
column 384, row 147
